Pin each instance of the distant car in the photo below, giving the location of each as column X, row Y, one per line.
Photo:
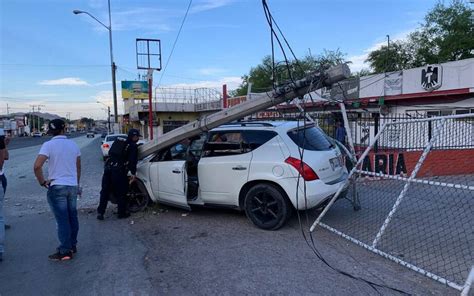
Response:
column 107, row 143
column 90, row 134
column 37, row 134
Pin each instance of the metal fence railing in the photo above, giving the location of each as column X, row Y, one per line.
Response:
column 416, row 194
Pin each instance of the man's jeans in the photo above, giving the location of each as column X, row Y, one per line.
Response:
column 62, row 200
column 2, row 222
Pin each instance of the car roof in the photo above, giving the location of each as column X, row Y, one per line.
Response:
column 260, row 125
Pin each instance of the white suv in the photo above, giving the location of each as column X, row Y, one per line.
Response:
column 251, row 166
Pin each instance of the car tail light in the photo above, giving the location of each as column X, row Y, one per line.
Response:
column 106, row 145
column 305, row 170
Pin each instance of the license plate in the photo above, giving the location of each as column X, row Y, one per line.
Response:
column 335, row 162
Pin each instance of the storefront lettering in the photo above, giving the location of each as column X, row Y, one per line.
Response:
column 385, row 164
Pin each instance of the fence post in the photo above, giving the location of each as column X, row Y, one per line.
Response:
column 376, row 129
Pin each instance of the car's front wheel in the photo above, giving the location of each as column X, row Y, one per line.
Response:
column 137, row 197
column 267, row 207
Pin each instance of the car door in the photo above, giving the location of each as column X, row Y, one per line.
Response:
column 168, row 176
column 223, row 168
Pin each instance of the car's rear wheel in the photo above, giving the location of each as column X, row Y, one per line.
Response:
column 137, row 197
column 267, row 207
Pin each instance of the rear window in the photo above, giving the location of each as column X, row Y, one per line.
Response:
column 310, row 138
column 113, row 138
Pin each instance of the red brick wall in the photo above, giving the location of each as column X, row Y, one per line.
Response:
column 437, row 163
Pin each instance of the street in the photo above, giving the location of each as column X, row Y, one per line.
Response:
column 164, row 250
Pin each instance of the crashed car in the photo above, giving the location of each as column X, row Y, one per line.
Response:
column 251, row 166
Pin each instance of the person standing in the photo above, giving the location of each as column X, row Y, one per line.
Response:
column 3, row 156
column 64, row 173
column 340, row 133
column 122, row 158
column 3, row 178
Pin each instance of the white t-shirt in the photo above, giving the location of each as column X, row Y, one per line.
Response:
column 62, row 155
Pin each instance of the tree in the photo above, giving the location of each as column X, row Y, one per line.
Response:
column 263, row 77
column 88, row 122
column 390, row 58
column 447, row 34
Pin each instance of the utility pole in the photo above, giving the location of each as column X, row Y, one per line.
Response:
column 32, row 120
column 108, row 117
column 388, row 53
column 39, row 109
column 8, row 111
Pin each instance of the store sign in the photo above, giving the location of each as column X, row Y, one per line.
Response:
column 431, row 77
column 137, row 90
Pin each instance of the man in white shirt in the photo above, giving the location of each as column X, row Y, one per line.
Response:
column 64, row 172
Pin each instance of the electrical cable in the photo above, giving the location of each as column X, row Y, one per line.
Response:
column 312, row 246
column 175, row 41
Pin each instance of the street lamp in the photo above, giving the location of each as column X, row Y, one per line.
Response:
column 109, row 28
column 108, row 114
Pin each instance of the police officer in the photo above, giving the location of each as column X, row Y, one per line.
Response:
column 115, row 179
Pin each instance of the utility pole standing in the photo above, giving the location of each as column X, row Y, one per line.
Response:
column 32, row 120
column 39, row 109
column 108, row 117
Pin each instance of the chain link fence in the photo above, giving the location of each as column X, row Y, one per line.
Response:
column 412, row 197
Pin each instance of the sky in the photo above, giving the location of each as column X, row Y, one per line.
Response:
column 54, row 58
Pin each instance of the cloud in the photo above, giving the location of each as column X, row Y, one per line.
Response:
column 144, row 18
column 211, row 71
column 64, row 81
column 358, row 60
column 232, row 83
column 102, row 83
column 209, row 5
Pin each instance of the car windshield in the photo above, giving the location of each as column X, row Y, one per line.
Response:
column 113, row 138
column 310, row 138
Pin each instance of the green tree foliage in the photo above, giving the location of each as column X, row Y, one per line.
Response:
column 262, row 76
column 447, row 34
column 88, row 122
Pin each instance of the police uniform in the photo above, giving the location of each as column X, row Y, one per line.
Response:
column 115, row 179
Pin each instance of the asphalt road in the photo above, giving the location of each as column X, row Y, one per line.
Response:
column 22, row 142
column 170, row 251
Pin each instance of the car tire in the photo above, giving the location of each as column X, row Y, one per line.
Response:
column 138, row 197
column 267, row 207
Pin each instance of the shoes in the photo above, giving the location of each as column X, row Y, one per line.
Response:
column 74, row 249
column 100, row 217
column 8, row 226
column 123, row 216
column 60, row 257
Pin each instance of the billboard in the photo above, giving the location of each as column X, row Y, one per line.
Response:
column 137, row 90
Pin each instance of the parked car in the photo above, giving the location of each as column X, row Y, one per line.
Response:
column 252, row 166
column 107, row 143
column 37, row 134
column 90, row 134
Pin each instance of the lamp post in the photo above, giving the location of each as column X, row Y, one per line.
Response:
column 109, row 28
column 108, row 114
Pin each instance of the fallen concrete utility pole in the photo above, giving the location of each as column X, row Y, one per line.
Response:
column 258, row 103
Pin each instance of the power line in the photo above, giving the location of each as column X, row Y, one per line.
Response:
column 312, row 245
column 43, row 100
column 175, row 41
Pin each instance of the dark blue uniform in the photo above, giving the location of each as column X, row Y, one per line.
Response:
column 115, row 180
